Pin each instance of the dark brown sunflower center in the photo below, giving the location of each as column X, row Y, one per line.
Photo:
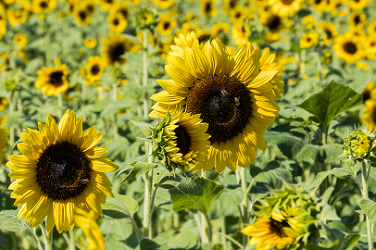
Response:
column 350, row 48
column 274, row 22
column 116, row 22
column 56, row 78
column 357, row 20
column 90, row 8
column 82, row 14
column 374, row 115
column 63, row 171
column 208, row 7
column 287, row 2
column 224, row 103
column 329, row 34
column 166, row 25
column 318, row 1
column 183, row 140
column 366, row 95
column 308, row 39
column 124, row 12
column 232, row 4
column 116, row 52
column 277, row 227
column 43, row 5
column 94, row 70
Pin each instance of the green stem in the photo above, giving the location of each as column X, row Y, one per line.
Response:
column 60, row 104
column 223, row 226
column 72, row 240
column 365, row 195
column 46, row 238
column 197, row 219
column 230, row 238
column 145, row 72
column 36, row 239
column 114, row 97
column 210, row 230
column 245, row 202
column 341, row 191
column 205, row 226
column 138, row 234
column 148, row 178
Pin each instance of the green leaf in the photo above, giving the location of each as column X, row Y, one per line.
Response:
column 327, row 213
column 119, row 234
column 121, row 206
column 369, row 208
column 348, row 241
column 182, row 239
column 146, row 128
column 270, row 173
column 137, row 168
column 9, row 221
column 227, row 204
column 196, row 194
column 333, row 100
column 339, row 172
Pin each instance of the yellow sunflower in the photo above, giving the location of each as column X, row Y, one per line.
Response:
column 268, row 63
column 285, row 7
column 208, row 8
column 16, row 16
column 20, row 40
column 86, row 221
column 81, row 14
column 269, row 233
column 182, row 42
column 371, row 47
column 241, row 33
column 229, row 5
column 4, row 62
column 348, row 47
column 330, row 32
column 188, row 28
column 60, row 170
column 106, row 4
column 115, row 47
column 232, row 95
column 121, row 8
column 274, row 22
column 357, row 4
column 166, row 24
column 3, row 28
column 337, row 8
column 43, row 6
column 371, row 28
column 369, row 115
column 164, row 4
column 318, row 5
column 238, row 14
column 366, row 93
column 308, row 40
column 3, row 138
column 117, row 22
column 3, row 103
column 93, row 70
column 53, row 80
column 357, row 19
column 90, row 43
column 219, row 28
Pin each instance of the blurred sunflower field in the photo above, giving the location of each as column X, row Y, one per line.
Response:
column 195, row 124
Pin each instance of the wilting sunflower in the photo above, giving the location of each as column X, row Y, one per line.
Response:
column 180, row 139
column 90, row 43
column 348, row 47
column 115, row 47
column 53, row 80
column 117, row 22
column 86, row 221
column 3, row 138
column 357, row 4
column 369, row 115
column 166, row 24
column 20, row 40
column 308, row 40
column 164, row 4
column 93, row 70
column 60, row 170
column 330, row 32
column 367, row 91
column 208, row 8
column 285, row 7
column 230, row 93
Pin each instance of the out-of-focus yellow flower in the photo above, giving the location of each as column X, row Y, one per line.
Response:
column 349, row 47
column 238, row 14
column 337, row 8
column 145, row 18
column 164, row 4
column 362, row 65
column 219, row 28
column 20, row 40
column 4, row 62
column 241, row 33
column 330, row 32
column 21, row 52
column 285, row 8
column 90, row 43
column 93, row 71
column 3, row 28
column 309, row 21
column 53, row 80
column 43, row 6
column 371, row 28
column 3, row 103
column 368, row 90
column 357, row 4
column 82, row 15
column 357, row 19
column 166, row 25
column 117, row 22
column 318, row 5
column 369, row 115
column 106, row 4
column 308, row 40
column 187, row 28
column 208, row 8
column 229, row 5
column 274, row 22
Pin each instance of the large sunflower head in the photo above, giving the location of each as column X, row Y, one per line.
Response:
column 93, row 70
column 58, row 171
column 53, row 80
column 115, row 47
column 180, row 140
column 230, row 92
column 348, row 47
column 3, row 138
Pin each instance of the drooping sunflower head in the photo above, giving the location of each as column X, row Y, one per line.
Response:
column 93, row 70
column 3, row 138
column 166, row 24
column 359, row 143
column 53, row 80
column 180, row 140
column 348, row 47
column 115, row 47
column 58, row 171
column 230, row 92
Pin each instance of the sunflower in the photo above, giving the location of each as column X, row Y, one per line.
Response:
column 86, row 221
column 3, row 138
column 308, row 40
column 90, row 43
column 274, row 22
column 117, row 22
column 219, row 28
column 20, row 40
column 238, row 14
column 16, row 17
column 309, row 22
column 348, row 47
column 330, row 32
column 366, row 93
column 81, row 14
column 3, row 28
column 166, row 24
column 181, row 140
column 357, row 4
column 145, row 18
column 208, row 8
column 285, row 7
column 115, row 47
column 318, row 5
column 164, row 4
column 371, row 28
column 43, row 6
column 369, row 115
column 267, row 63
column 53, row 80
column 4, row 62
column 229, row 5
column 182, row 42
column 93, row 70
column 371, row 47
column 106, row 4
column 337, row 8
column 232, row 95
column 357, row 19
column 121, row 8
column 187, row 28
column 241, row 33
column 60, row 170
column 3, row 103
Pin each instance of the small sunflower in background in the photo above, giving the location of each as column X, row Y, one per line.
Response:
column 308, row 40
column 145, row 18
column 371, row 47
column 238, row 14
column 81, row 14
column 369, row 115
column 180, row 141
column 3, row 138
column 3, row 28
column 20, row 40
column 241, row 33
column 17, row 16
column 4, row 62
column 115, row 47
column 309, row 21
column 349, row 47
column 371, row 28
column 357, row 19
column 106, row 4
column 164, row 4
column 219, row 28
column 368, row 90
column 285, row 7
column 43, row 6
column 93, row 71
column 357, row 4
column 166, row 24
column 3, row 103
column 90, row 43
column 86, row 221
column 274, row 22
column 53, row 80
column 117, row 22
column 229, row 92
column 208, row 8
column 59, row 170
column 229, row 5
column 337, row 8
column 329, row 32
column 187, row 28
column 318, row 5
column 203, row 36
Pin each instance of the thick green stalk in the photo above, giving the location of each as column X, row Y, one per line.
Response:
column 223, row 226
column 148, row 178
column 210, row 230
column 365, row 195
column 72, row 242
column 245, row 203
column 46, row 238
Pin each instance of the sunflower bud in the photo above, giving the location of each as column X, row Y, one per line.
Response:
column 358, row 145
column 145, row 19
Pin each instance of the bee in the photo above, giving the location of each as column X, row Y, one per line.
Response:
column 237, row 101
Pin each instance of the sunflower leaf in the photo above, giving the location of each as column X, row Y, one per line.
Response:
column 147, row 129
column 137, row 168
column 369, row 208
column 9, row 221
column 333, row 100
column 196, row 194
column 122, row 206
column 349, row 240
column 339, row 172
